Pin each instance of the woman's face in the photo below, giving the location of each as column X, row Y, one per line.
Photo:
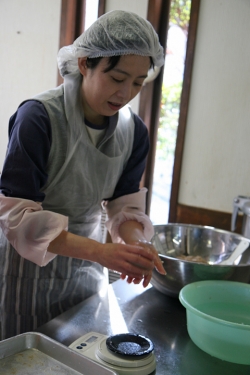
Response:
column 104, row 93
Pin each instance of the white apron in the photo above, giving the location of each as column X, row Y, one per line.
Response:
column 80, row 177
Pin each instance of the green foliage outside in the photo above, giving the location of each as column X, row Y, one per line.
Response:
column 170, row 102
column 179, row 13
column 168, row 123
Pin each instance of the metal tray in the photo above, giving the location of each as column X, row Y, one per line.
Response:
column 34, row 353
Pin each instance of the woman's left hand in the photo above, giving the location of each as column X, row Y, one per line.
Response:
column 157, row 261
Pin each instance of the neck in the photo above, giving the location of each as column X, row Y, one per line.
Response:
column 92, row 116
column 95, row 120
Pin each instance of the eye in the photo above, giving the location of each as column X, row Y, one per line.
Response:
column 138, row 84
column 117, row 80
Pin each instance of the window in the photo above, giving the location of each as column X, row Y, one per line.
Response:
column 150, row 103
column 177, row 34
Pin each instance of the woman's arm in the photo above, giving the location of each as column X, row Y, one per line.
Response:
column 135, row 260
column 24, row 169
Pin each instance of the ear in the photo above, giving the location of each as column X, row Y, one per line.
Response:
column 82, row 65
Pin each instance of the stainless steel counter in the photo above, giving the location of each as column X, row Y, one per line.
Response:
column 131, row 308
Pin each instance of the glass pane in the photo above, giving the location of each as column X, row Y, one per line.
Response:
column 91, row 12
column 170, row 109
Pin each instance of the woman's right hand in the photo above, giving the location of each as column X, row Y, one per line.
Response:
column 134, row 262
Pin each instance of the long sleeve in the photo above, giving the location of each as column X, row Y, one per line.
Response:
column 128, row 207
column 25, row 224
column 29, row 228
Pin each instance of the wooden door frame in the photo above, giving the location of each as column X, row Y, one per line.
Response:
column 72, row 24
column 101, row 7
column 73, row 14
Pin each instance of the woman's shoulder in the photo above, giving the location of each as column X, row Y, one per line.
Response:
column 141, row 130
column 139, row 121
column 30, row 121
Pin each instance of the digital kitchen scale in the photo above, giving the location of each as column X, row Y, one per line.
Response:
column 126, row 354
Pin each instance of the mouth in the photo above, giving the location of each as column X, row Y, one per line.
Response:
column 115, row 106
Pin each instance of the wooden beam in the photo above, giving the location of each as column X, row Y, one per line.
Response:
column 202, row 216
column 72, row 23
column 101, row 7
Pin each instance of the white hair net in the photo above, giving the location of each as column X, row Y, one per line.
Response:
column 115, row 33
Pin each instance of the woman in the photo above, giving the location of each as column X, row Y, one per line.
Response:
column 74, row 151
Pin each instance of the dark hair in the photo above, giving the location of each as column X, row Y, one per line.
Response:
column 112, row 62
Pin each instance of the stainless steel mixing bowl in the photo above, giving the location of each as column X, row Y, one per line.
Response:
column 193, row 253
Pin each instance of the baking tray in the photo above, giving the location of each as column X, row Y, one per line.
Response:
column 34, row 353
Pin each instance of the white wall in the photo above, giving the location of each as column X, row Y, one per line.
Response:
column 29, row 40
column 216, row 165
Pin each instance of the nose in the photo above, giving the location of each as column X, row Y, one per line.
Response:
column 125, row 92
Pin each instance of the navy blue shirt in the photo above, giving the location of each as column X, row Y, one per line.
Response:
column 24, row 171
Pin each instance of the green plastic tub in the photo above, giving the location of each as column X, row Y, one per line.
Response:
column 218, row 318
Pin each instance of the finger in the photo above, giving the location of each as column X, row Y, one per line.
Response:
column 142, row 250
column 150, row 251
column 146, row 280
column 137, row 280
column 135, row 265
column 159, row 266
column 129, row 278
column 157, row 260
column 135, row 268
